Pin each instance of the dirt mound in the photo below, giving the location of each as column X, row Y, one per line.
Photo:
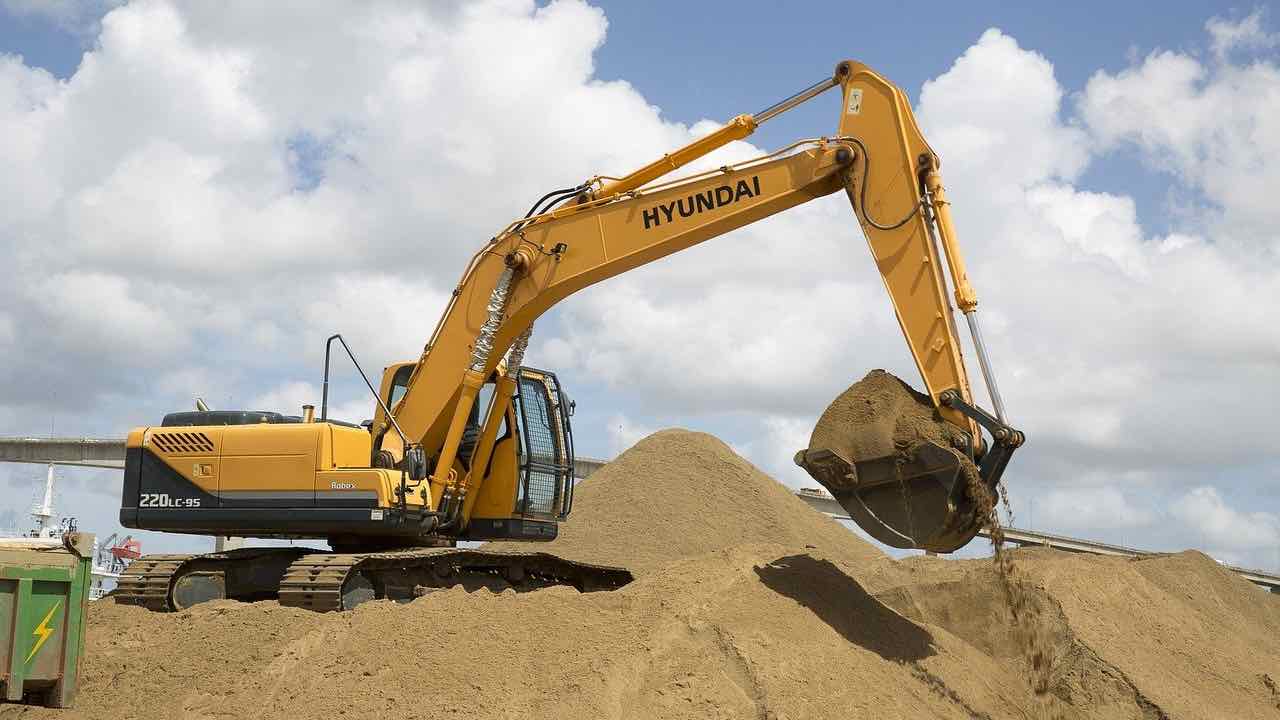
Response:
column 679, row 494
column 747, row 604
column 751, row 631
column 1166, row 636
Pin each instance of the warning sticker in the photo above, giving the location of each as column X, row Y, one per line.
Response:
column 855, row 101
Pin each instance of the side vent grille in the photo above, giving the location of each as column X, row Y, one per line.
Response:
column 174, row 443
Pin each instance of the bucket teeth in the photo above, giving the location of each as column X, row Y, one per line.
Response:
column 829, row 468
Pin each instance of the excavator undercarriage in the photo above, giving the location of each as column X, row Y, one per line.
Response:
column 327, row 581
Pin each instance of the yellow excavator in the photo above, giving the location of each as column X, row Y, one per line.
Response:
column 467, row 443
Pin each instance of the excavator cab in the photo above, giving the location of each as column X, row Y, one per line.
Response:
column 535, row 424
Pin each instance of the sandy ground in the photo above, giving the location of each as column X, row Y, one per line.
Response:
column 747, row 604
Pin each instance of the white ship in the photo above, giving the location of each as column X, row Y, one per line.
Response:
column 110, row 557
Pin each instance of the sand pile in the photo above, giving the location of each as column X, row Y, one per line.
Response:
column 1172, row 636
column 747, row 605
column 679, row 494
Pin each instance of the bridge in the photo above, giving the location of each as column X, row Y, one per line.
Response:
column 72, row 451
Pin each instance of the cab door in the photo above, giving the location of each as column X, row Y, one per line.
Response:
column 546, row 446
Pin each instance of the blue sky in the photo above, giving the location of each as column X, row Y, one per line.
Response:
column 1046, row 208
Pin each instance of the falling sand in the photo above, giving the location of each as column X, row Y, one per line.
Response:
column 1030, row 628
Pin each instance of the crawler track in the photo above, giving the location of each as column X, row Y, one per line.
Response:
column 174, row 582
column 146, row 581
column 325, row 581
column 331, row 581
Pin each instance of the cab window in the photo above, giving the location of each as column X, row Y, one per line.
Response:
column 399, row 383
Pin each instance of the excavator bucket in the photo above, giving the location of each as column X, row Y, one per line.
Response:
column 903, row 472
column 917, row 499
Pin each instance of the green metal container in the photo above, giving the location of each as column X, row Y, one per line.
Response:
column 43, row 591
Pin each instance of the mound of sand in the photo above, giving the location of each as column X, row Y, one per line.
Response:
column 1164, row 636
column 679, row 494
column 747, row 604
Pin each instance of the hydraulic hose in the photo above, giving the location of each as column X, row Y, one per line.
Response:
column 556, row 194
column 862, row 193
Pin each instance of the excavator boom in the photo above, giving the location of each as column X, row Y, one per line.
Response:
column 879, row 158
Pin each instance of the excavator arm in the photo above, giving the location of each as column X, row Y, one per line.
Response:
column 606, row 227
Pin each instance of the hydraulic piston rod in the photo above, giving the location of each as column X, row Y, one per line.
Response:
column 985, row 364
column 939, row 214
column 808, row 93
column 736, row 129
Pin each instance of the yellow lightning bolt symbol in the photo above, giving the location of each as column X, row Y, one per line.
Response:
column 43, row 631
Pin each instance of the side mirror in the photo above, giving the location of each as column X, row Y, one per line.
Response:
column 415, row 462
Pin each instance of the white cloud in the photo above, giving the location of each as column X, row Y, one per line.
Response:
column 25, row 96
column 623, row 433
column 180, row 216
column 195, row 381
column 1104, row 329
column 776, row 449
column 384, row 318
column 1204, row 510
column 729, row 347
column 1087, row 510
column 158, row 219
column 1001, row 103
column 1245, row 34
column 1092, row 228
column 108, row 311
column 288, row 398
column 1213, row 126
